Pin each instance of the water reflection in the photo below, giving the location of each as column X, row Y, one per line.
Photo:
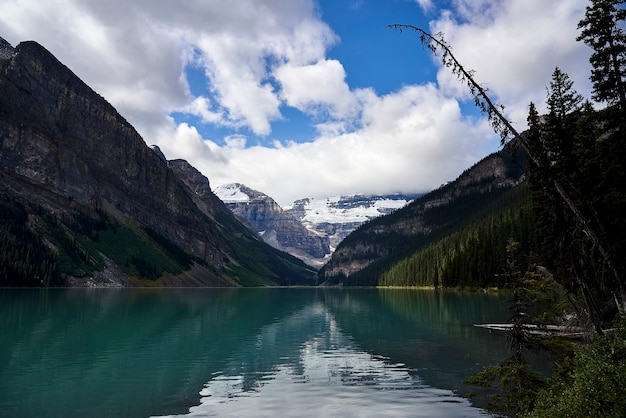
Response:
column 430, row 331
column 254, row 352
column 315, row 369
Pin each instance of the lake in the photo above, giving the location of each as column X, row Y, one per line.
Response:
column 244, row 352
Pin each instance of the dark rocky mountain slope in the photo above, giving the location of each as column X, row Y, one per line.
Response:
column 78, row 179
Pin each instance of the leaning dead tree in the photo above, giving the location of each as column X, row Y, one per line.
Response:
column 503, row 127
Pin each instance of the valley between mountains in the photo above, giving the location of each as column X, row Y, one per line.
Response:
column 310, row 228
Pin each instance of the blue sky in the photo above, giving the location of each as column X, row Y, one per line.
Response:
column 372, row 55
column 300, row 98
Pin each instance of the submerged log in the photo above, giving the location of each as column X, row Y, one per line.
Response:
column 543, row 330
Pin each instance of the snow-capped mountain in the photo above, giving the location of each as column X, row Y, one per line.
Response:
column 276, row 227
column 337, row 216
column 309, row 229
column 232, row 193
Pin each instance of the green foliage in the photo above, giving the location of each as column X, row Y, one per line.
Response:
column 536, row 301
column 602, row 30
column 577, row 179
column 473, row 255
column 516, row 384
column 379, row 243
column 42, row 249
column 248, row 278
column 80, row 240
column 584, row 153
column 257, row 264
column 595, row 385
column 73, row 258
column 136, row 252
column 562, row 99
column 178, row 254
column 24, row 258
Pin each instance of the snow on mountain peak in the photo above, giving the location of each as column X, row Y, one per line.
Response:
column 348, row 209
column 231, row 193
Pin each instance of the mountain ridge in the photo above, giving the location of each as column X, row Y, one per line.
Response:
column 310, row 228
column 338, row 216
column 374, row 246
column 67, row 154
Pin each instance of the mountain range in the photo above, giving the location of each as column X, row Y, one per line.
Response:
column 310, row 229
column 337, row 216
column 84, row 200
column 275, row 226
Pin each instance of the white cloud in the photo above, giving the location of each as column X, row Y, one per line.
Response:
column 145, row 45
column 514, row 46
column 426, row 5
column 201, row 107
column 318, row 87
column 417, row 137
column 184, row 141
column 239, row 59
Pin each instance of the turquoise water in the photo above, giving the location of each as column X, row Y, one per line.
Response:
column 243, row 352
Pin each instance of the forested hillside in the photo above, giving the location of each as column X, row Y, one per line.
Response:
column 576, row 174
column 474, row 255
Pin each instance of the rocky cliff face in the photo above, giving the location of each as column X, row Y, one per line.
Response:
column 63, row 148
column 6, row 50
column 441, row 209
column 198, row 188
column 60, row 135
column 277, row 227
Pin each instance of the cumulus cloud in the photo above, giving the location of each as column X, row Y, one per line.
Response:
column 184, row 141
column 416, row 136
column 514, row 46
column 133, row 53
column 426, row 5
column 318, row 87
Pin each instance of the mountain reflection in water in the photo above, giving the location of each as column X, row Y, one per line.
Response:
column 243, row 352
column 327, row 375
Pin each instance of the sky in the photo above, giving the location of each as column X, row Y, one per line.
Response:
column 311, row 98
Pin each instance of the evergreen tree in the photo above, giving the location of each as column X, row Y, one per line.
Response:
column 534, row 137
column 602, row 32
column 562, row 99
column 565, row 246
column 564, row 105
column 514, row 378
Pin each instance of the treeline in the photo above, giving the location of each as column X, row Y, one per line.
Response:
column 40, row 249
column 65, row 234
column 473, row 256
column 141, row 253
column 24, row 258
